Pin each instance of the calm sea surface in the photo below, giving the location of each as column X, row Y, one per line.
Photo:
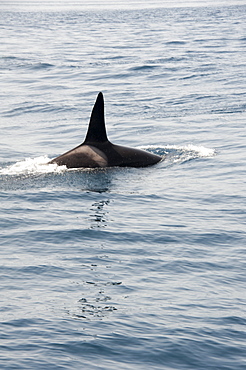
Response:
column 123, row 268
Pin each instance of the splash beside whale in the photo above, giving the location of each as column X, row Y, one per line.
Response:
column 98, row 151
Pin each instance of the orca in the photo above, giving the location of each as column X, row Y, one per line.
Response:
column 98, row 151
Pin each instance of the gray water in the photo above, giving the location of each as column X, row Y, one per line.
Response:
column 123, row 268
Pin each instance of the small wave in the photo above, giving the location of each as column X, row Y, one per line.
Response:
column 143, row 68
column 32, row 166
column 36, row 108
column 41, row 66
column 181, row 153
column 198, row 150
column 176, row 42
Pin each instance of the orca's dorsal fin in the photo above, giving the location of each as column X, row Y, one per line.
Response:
column 97, row 130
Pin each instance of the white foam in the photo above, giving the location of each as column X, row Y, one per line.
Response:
column 195, row 150
column 200, row 151
column 32, row 166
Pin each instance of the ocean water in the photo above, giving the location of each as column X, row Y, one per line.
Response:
column 123, row 268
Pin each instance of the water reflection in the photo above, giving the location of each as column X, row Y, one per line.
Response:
column 99, row 215
column 97, row 180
